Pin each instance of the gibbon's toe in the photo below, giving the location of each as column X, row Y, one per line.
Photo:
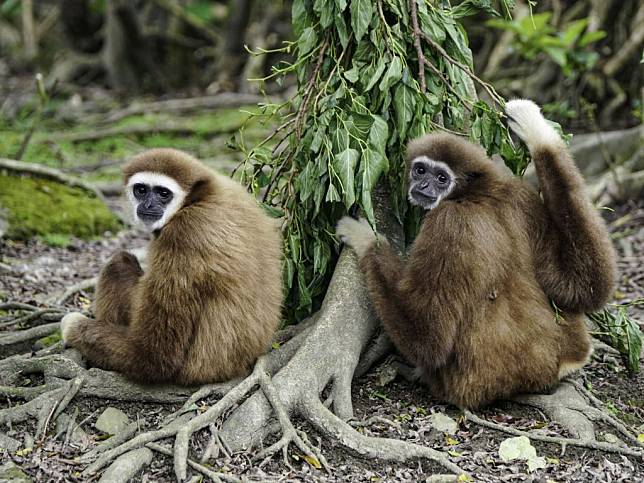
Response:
column 526, row 120
column 355, row 233
column 68, row 323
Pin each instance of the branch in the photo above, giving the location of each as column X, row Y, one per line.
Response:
column 419, row 49
column 219, row 101
column 488, row 87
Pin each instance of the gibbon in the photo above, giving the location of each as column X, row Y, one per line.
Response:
column 491, row 300
column 210, row 299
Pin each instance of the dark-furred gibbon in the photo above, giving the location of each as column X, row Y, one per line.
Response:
column 491, row 300
column 210, row 299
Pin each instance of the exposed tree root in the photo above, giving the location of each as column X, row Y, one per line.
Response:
column 58, row 369
column 564, row 442
column 576, row 409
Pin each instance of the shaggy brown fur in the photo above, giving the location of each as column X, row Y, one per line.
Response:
column 210, row 300
column 472, row 305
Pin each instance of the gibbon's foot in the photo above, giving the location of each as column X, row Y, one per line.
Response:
column 526, row 120
column 69, row 323
column 357, row 234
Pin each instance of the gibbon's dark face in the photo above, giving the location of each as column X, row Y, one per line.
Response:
column 429, row 182
column 155, row 198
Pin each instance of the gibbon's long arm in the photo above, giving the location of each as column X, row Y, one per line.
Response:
column 424, row 342
column 575, row 260
column 115, row 286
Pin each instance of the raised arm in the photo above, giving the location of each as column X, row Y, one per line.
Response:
column 574, row 259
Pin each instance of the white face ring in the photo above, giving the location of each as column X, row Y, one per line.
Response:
column 151, row 179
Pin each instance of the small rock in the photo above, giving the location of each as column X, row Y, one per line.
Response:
column 11, row 472
column 443, row 423
column 127, row 466
column 111, row 421
column 519, row 448
column 8, row 443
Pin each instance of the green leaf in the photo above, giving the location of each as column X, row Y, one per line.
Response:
column 557, row 54
column 341, row 27
column 353, row 74
column 341, row 4
column 306, row 181
column 345, row 166
column 573, row 31
column 372, row 165
column 404, row 104
column 382, row 65
column 590, row 37
column 294, row 246
column 325, row 9
column 307, row 40
column 317, row 139
column 634, row 338
column 361, row 13
column 393, row 74
column 332, row 194
column 378, row 134
column 288, row 270
column 299, row 16
column 303, row 290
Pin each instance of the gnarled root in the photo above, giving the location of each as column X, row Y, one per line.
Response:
column 320, row 356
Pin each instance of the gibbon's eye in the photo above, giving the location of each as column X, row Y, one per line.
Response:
column 139, row 190
column 164, row 193
column 442, row 178
column 419, row 169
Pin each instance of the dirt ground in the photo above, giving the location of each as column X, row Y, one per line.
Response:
column 397, row 410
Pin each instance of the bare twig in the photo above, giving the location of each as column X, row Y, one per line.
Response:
column 167, row 128
column 488, row 87
column 419, row 48
column 219, row 101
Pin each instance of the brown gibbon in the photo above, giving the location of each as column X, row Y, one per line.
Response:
column 491, row 299
column 210, row 299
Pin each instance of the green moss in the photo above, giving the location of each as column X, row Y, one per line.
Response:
column 37, row 207
column 56, row 240
column 50, row 339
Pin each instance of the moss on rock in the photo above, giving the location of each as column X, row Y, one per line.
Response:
column 37, row 207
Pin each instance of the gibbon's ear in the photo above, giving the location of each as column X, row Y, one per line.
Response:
column 472, row 176
column 199, row 191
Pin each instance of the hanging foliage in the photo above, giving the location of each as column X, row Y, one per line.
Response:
column 371, row 75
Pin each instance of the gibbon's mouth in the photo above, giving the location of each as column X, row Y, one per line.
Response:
column 423, row 198
column 149, row 217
